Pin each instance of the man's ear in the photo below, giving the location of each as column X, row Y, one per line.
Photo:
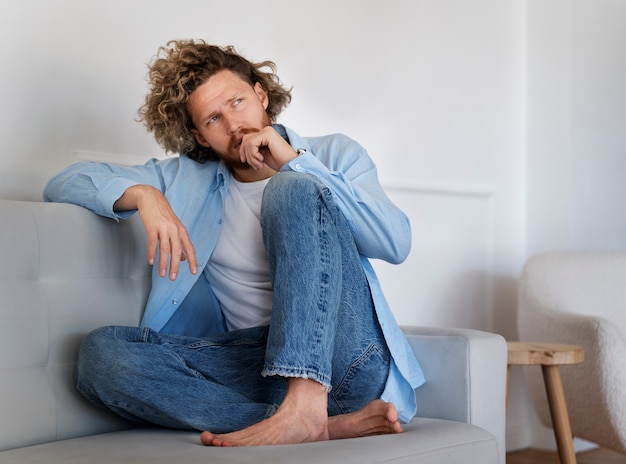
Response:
column 198, row 136
column 262, row 94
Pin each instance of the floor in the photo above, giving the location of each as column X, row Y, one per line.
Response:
column 597, row 456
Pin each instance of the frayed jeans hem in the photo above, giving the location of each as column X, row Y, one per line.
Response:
column 288, row 373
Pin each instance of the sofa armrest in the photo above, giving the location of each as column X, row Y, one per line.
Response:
column 465, row 374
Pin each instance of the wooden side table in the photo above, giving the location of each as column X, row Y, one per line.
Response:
column 550, row 356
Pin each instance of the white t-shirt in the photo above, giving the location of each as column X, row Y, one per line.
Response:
column 238, row 269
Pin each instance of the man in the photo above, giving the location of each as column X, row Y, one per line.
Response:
column 275, row 330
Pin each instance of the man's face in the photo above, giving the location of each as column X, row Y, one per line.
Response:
column 225, row 108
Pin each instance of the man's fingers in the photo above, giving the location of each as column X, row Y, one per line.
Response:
column 252, row 149
column 189, row 253
column 172, row 251
column 175, row 254
column 153, row 242
column 265, row 147
column 164, row 256
column 252, row 156
column 167, row 237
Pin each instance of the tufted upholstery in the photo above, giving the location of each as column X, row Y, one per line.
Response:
column 56, row 286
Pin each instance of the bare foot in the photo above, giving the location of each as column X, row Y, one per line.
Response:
column 376, row 418
column 301, row 418
column 285, row 427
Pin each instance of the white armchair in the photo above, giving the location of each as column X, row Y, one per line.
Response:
column 580, row 298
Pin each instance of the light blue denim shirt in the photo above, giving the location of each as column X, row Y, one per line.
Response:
column 196, row 193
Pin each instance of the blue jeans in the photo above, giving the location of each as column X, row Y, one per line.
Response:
column 323, row 327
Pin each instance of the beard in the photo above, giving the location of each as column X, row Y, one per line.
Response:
column 235, row 165
column 233, row 162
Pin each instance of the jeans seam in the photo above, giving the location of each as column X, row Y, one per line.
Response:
column 324, row 278
column 352, row 371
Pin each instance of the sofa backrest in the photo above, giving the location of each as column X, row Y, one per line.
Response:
column 64, row 271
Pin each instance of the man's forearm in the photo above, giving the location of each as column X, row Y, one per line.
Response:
column 131, row 198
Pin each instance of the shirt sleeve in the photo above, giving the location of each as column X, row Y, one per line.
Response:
column 380, row 229
column 97, row 186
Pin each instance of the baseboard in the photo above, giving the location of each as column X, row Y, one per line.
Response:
column 518, row 436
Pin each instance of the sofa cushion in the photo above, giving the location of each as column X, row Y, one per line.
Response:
column 65, row 272
column 423, row 440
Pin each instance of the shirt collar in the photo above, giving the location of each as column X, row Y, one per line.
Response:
column 281, row 130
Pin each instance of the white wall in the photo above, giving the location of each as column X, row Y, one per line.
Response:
column 576, row 137
column 577, row 125
column 435, row 89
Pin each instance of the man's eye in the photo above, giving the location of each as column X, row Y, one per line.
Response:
column 212, row 120
column 237, row 102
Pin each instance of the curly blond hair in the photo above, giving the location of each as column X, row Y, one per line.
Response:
column 177, row 70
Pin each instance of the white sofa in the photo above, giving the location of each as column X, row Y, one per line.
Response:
column 579, row 298
column 66, row 271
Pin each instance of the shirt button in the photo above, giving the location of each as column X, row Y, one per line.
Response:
column 297, row 166
column 174, row 302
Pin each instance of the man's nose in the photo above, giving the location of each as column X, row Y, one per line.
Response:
column 232, row 124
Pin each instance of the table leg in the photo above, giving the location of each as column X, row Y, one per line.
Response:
column 558, row 412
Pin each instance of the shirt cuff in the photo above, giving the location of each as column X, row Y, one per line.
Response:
column 112, row 192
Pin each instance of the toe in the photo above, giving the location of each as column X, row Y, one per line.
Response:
column 207, row 438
